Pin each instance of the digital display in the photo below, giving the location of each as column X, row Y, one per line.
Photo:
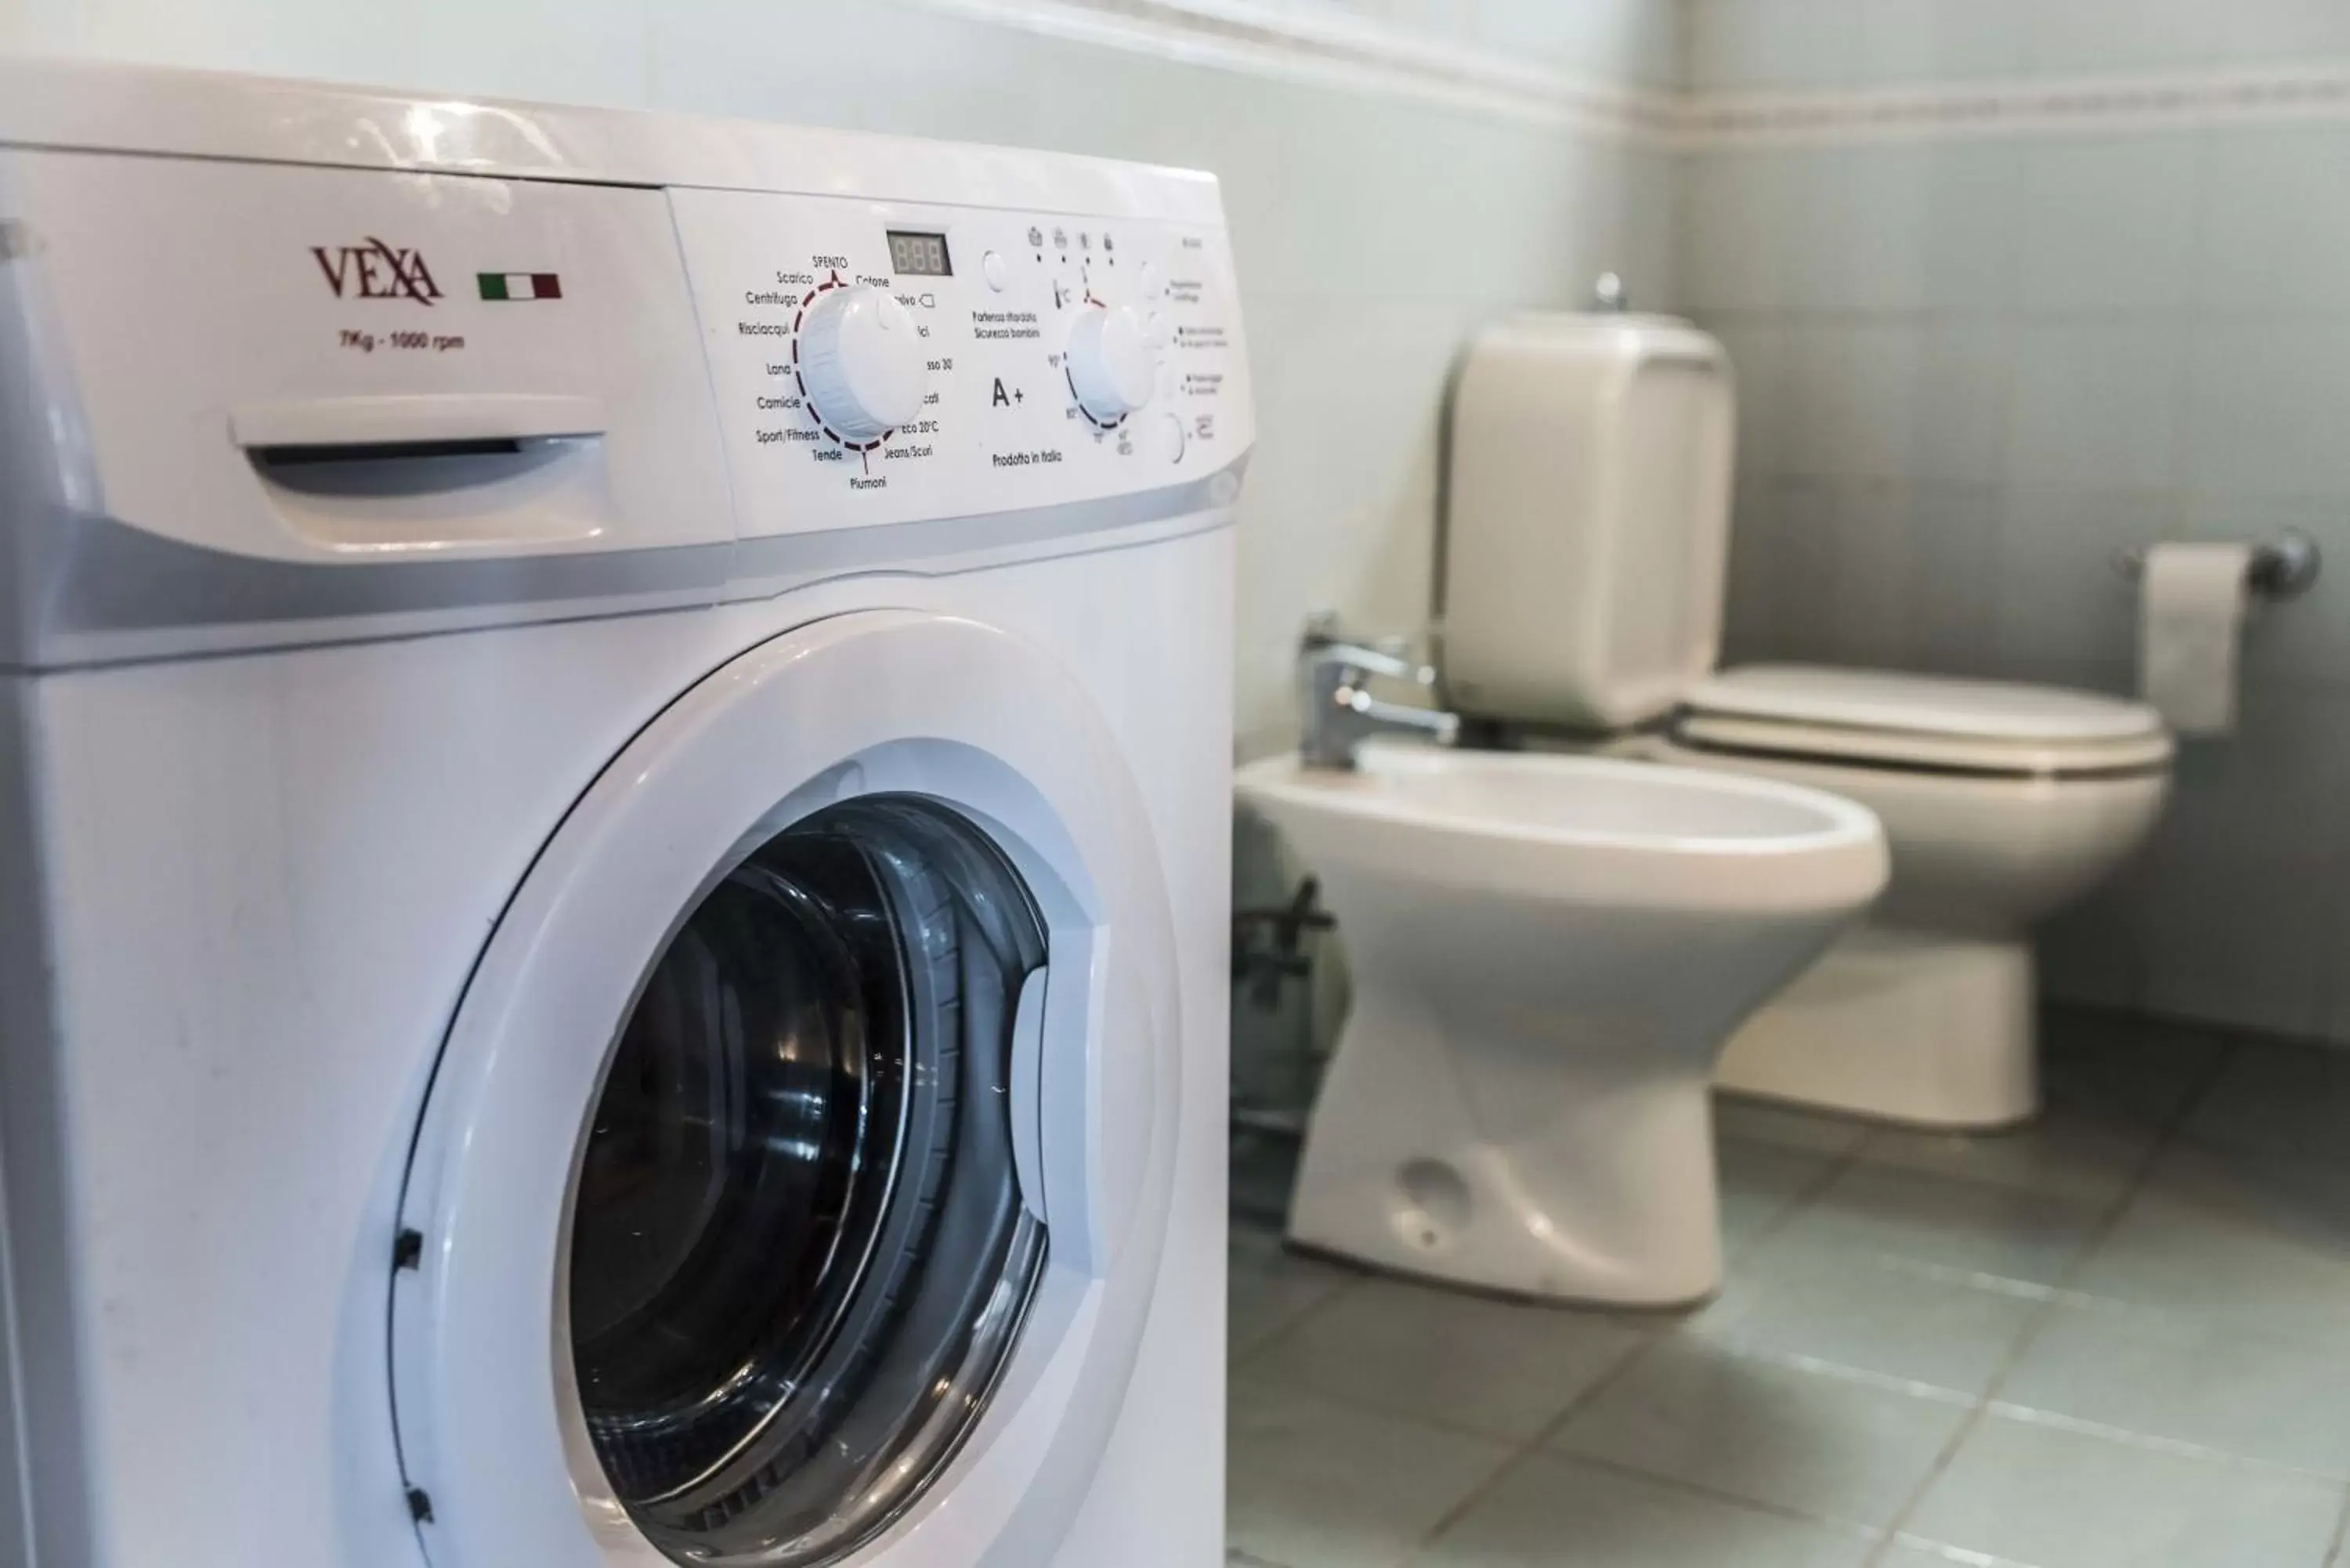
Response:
column 921, row 255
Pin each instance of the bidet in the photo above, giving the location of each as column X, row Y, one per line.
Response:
column 1547, row 953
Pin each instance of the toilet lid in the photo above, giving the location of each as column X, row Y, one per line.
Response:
column 1922, row 720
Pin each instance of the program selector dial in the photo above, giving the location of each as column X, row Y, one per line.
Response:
column 862, row 362
column 1111, row 363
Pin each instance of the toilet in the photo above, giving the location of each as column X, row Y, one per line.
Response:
column 1585, row 551
column 1547, row 953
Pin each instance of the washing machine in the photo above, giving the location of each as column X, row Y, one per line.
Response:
column 613, row 839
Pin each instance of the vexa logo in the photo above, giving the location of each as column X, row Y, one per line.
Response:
column 376, row 271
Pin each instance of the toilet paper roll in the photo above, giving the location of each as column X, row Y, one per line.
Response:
column 2191, row 624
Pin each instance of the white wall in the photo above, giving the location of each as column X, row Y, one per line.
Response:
column 1397, row 171
column 1979, row 346
column 2034, row 282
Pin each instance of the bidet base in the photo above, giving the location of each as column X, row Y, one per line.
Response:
column 1899, row 1025
column 1576, row 1169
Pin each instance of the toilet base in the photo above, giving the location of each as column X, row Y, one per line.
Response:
column 1899, row 1025
column 1496, row 1154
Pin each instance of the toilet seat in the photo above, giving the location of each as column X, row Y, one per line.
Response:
column 1917, row 723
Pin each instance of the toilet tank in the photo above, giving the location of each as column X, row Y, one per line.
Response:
column 1588, row 518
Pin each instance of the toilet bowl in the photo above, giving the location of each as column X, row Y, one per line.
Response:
column 1585, row 543
column 2002, row 802
column 1546, row 954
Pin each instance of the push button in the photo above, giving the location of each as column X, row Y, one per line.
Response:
column 992, row 268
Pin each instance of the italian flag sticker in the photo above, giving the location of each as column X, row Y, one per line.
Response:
column 520, row 284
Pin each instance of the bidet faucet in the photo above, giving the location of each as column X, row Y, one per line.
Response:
column 1340, row 714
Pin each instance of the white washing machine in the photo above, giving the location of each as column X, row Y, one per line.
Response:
column 613, row 839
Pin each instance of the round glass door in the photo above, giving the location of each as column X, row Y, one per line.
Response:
column 799, row 1255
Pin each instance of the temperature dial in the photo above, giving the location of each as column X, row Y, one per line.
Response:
column 862, row 363
column 1111, row 365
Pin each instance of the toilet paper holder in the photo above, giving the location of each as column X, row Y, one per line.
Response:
column 2285, row 567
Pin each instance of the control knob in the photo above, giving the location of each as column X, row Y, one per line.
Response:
column 862, row 362
column 1111, row 365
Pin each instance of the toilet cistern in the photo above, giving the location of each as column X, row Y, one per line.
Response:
column 1340, row 712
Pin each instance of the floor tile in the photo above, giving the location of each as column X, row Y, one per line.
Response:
column 2173, row 1379
column 1917, row 1552
column 1784, row 1126
column 1761, row 1183
column 1318, row 1483
column 2085, row 1155
column 2258, row 1243
column 1272, row 1288
column 1823, row 1446
column 1869, row 1314
column 2061, row 1499
column 2207, row 1384
column 1464, row 1361
column 2115, row 1064
column 1557, row 1514
column 2014, row 1233
column 2276, row 1098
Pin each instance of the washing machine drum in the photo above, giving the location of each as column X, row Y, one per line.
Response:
column 798, row 1252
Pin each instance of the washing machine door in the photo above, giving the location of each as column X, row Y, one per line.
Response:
column 793, row 1182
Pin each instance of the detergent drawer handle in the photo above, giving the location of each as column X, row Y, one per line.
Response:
column 352, row 426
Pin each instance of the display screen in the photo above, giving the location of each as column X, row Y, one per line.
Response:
column 924, row 256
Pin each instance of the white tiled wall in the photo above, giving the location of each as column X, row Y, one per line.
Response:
column 1976, row 364
column 1374, row 229
column 1779, row 45
column 1972, row 364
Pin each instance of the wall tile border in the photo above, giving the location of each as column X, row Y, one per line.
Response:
column 1330, row 49
column 1326, row 49
column 2034, row 107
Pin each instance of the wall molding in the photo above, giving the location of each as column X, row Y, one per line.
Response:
column 2294, row 95
column 1325, row 47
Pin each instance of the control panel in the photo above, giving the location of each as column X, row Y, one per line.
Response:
column 878, row 362
column 361, row 367
column 290, row 372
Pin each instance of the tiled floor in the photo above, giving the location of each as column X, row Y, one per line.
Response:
column 2118, row 1339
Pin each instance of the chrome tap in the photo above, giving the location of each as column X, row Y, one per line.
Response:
column 1340, row 713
